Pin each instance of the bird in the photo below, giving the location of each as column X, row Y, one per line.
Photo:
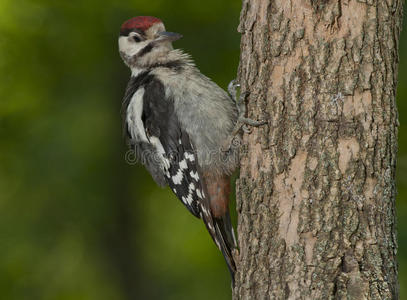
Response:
column 182, row 126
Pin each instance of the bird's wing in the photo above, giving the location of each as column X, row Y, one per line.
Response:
column 173, row 146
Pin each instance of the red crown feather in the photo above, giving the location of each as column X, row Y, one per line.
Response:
column 142, row 23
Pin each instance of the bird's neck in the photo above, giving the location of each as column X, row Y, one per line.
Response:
column 160, row 59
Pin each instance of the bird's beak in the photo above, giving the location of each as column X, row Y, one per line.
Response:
column 168, row 36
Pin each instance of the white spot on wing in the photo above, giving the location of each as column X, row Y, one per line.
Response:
column 194, row 175
column 189, row 156
column 189, row 198
column 183, row 164
column 177, row 178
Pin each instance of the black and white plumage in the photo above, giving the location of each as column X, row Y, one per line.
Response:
column 154, row 131
column 177, row 121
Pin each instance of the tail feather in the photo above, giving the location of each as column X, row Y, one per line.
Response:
column 221, row 231
column 227, row 241
column 215, row 214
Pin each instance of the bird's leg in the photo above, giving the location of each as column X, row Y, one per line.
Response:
column 242, row 121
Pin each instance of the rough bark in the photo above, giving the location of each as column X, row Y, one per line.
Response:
column 316, row 193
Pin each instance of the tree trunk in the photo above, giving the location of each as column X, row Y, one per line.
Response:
column 316, row 193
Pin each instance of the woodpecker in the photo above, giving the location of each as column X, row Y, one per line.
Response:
column 181, row 125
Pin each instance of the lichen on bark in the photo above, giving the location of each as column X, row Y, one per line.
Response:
column 315, row 197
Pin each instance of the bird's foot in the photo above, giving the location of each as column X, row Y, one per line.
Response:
column 233, row 141
column 242, row 123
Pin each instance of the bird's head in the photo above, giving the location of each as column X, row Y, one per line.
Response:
column 143, row 38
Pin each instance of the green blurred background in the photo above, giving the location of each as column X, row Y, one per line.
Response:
column 77, row 222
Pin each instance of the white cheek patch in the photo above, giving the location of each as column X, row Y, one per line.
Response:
column 130, row 47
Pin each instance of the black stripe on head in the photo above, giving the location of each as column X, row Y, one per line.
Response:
column 145, row 50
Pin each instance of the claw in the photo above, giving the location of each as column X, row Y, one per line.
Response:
column 232, row 89
column 246, row 128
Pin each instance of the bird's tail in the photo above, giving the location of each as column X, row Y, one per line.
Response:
column 222, row 233
column 227, row 241
column 217, row 218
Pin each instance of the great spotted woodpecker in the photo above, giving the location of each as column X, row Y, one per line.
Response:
column 180, row 125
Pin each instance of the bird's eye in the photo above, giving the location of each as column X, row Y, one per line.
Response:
column 136, row 38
